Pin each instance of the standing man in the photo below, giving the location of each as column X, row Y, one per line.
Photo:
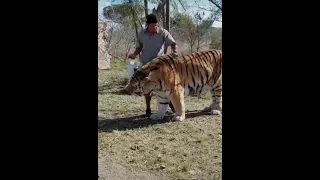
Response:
column 152, row 42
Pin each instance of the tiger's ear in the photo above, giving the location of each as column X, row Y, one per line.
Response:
column 154, row 68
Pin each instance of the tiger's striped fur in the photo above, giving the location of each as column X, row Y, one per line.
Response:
column 170, row 79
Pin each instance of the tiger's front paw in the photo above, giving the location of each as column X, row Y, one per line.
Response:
column 156, row 117
column 178, row 118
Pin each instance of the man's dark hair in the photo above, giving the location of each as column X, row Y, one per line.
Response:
column 152, row 19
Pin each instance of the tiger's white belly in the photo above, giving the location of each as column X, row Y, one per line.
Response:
column 204, row 90
column 195, row 91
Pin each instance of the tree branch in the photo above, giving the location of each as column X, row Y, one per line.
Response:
column 201, row 8
column 216, row 4
column 182, row 5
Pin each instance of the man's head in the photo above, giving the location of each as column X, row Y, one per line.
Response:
column 152, row 22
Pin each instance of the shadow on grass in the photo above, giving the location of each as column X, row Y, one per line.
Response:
column 134, row 122
column 122, row 92
column 104, row 87
column 111, row 85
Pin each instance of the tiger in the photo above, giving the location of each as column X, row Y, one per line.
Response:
column 148, row 100
column 170, row 79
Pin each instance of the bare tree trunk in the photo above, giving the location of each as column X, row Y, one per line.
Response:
column 197, row 48
column 134, row 20
column 159, row 12
column 166, row 21
column 198, row 45
column 163, row 16
column 168, row 15
column 146, row 8
column 191, row 46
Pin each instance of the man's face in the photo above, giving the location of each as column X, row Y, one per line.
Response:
column 152, row 28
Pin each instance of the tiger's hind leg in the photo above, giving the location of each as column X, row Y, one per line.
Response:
column 216, row 107
column 177, row 99
column 163, row 104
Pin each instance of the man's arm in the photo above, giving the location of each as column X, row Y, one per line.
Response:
column 169, row 41
column 138, row 47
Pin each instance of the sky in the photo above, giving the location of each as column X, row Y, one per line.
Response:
column 194, row 8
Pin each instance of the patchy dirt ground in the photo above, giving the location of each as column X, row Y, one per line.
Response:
column 133, row 147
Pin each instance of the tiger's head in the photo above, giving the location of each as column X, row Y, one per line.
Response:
column 139, row 83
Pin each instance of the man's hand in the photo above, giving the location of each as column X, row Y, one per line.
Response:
column 174, row 54
column 174, row 50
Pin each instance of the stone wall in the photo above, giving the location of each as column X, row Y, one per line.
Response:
column 103, row 56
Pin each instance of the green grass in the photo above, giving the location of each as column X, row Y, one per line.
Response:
column 165, row 149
